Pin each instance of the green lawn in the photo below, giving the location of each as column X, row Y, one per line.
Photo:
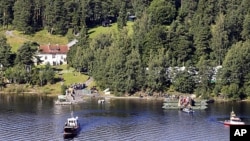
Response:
column 113, row 28
column 70, row 76
column 16, row 39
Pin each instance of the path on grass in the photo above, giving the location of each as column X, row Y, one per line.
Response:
column 89, row 81
column 11, row 34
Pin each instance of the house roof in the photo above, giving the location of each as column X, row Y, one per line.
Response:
column 53, row 49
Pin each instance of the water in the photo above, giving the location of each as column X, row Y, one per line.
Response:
column 38, row 119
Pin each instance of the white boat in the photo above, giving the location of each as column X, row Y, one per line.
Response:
column 71, row 127
column 234, row 120
column 188, row 110
column 101, row 101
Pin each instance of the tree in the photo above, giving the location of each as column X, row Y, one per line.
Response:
column 219, row 40
column 25, row 60
column 162, row 12
column 187, row 10
column 184, row 82
column 74, row 13
column 23, row 16
column 204, row 77
column 156, row 77
column 49, row 74
column 6, row 12
column 141, row 27
column 16, row 74
column 42, row 77
column 134, row 72
column 37, row 14
column 201, row 41
column 122, row 18
column 235, row 71
column 234, row 23
column 83, row 37
column 56, row 22
column 246, row 28
column 6, row 57
column 26, row 53
column 155, row 39
column 139, row 6
column 179, row 44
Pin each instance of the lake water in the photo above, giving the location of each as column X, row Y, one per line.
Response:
column 36, row 118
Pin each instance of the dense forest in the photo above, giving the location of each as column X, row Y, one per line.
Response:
column 199, row 35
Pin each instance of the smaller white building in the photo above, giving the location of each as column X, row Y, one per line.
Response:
column 53, row 54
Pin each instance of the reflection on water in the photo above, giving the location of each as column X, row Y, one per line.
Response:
column 37, row 118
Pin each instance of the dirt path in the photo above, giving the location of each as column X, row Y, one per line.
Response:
column 89, row 81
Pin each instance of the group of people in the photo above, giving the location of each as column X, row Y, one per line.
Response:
column 185, row 102
column 78, row 86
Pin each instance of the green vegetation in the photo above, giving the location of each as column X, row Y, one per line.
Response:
column 210, row 39
column 93, row 32
column 74, row 77
column 16, row 39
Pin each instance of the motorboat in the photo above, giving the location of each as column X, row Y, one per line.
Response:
column 188, row 110
column 234, row 120
column 71, row 127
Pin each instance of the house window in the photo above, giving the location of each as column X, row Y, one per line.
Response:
column 61, row 57
column 45, row 57
column 53, row 56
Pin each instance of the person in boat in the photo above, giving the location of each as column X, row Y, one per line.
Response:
column 233, row 114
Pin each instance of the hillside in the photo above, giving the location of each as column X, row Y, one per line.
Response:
column 69, row 75
column 16, row 38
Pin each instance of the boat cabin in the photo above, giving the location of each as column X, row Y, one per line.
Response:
column 72, row 122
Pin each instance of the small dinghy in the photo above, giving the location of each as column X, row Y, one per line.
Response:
column 188, row 110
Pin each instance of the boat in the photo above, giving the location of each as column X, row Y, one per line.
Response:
column 188, row 110
column 101, row 101
column 64, row 100
column 234, row 120
column 71, row 127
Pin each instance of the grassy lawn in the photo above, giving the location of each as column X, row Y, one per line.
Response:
column 15, row 43
column 69, row 76
column 16, row 39
column 113, row 28
column 74, row 77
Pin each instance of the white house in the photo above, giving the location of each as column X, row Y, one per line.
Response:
column 53, row 54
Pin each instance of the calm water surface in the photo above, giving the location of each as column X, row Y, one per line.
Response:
column 35, row 118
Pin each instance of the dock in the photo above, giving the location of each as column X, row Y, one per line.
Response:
column 72, row 98
column 183, row 102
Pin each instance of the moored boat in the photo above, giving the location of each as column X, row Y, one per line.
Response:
column 188, row 110
column 234, row 120
column 71, row 127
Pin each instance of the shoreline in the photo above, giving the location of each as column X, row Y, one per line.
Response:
column 103, row 96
